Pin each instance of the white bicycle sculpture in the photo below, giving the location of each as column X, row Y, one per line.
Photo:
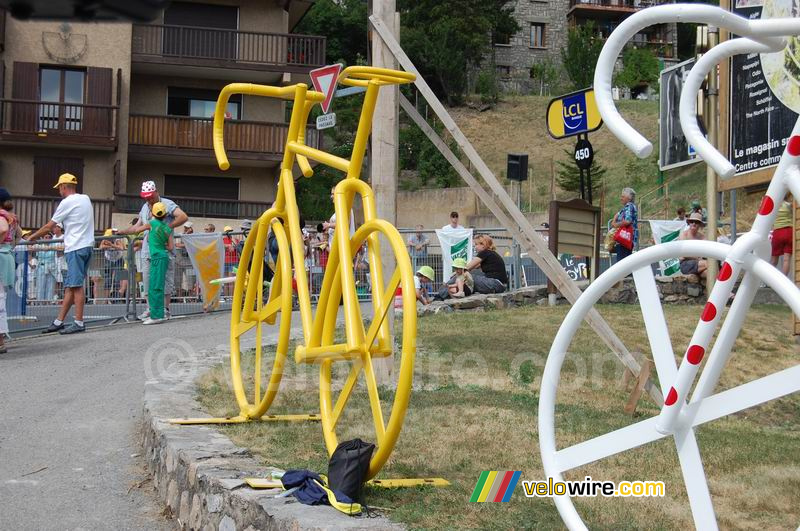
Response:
column 745, row 258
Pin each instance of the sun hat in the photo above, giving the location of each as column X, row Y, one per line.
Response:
column 148, row 189
column 246, row 224
column 227, row 228
column 427, row 272
column 159, row 209
column 108, row 232
column 66, row 178
column 188, row 224
column 696, row 216
column 460, row 263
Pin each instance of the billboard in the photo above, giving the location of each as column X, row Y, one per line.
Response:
column 764, row 93
column 573, row 114
column 673, row 149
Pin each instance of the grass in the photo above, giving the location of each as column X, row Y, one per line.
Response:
column 474, row 407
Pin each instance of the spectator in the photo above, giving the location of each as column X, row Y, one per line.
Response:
column 61, row 261
column 418, row 247
column 175, row 217
column 116, row 278
column 423, row 281
column 161, row 243
column 330, row 225
column 245, row 227
column 782, row 235
column 76, row 215
column 187, row 273
column 628, row 216
column 697, row 208
column 680, row 214
column 9, row 236
column 46, row 271
column 693, row 265
column 210, row 228
column 231, row 257
column 487, row 267
column 453, row 225
column 461, row 283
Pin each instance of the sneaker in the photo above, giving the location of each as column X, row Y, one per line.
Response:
column 167, row 315
column 72, row 329
column 53, row 328
column 150, row 321
column 144, row 315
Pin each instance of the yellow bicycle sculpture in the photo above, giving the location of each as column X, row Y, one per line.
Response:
column 361, row 345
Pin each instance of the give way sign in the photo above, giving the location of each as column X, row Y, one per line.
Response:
column 324, row 80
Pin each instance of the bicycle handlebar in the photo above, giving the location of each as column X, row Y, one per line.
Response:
column 360, row 76
column 766, row 32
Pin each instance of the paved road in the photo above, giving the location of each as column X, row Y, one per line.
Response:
column 72, row 404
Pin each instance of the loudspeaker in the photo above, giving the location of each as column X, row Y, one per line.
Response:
column 517, row 167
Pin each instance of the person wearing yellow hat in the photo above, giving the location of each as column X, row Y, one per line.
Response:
column 161, row 243
column 116, row 277
column 423, row 283
column 76, row 215
column 461, row 284
column 175, row 218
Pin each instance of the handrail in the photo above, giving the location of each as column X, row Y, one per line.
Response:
column 236, row 31
column 67, row 104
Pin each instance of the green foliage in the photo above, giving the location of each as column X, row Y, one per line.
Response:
column 569, row 179
column 639, row 68
column 581, row 53
column 486, row 86
column 344, row 23
column 545, row 73
column 445, row 38
column 419, row 154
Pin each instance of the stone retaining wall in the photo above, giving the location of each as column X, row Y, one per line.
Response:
column 199, row 473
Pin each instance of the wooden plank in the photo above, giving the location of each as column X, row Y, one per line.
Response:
column 796, row 258
column 541, row 255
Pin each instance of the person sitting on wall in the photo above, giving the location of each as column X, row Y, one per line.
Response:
column 423, row 282
column 692, row 265
column 487, row 267
column 461, row 284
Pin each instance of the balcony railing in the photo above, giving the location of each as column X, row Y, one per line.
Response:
column 58, row 123
column 200, row 206
column 35, row 211
column 191, row 45
column 181, row 132
column 625, row 4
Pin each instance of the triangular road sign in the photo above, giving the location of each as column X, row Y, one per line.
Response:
column 324, row 80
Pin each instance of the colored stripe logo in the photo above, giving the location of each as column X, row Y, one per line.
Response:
column 495, row 486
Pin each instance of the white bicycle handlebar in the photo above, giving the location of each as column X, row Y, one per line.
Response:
column 767, row 32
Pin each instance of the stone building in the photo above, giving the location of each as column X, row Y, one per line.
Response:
column 119, row 103
column 544, row 25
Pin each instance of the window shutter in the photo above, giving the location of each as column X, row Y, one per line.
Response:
column 25, row 86
column 47, row 169
column 98, row 92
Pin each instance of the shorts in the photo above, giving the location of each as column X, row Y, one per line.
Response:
column 689, row 266
column 782, row 241
column 77, row 262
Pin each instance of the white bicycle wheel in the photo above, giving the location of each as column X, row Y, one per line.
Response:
column 701, row 409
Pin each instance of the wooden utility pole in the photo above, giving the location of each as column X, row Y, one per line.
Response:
column 711, row 177
column 383, row 154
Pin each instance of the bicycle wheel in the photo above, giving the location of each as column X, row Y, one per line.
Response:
column 249, row 314
column 378, row 343
column 703, row 406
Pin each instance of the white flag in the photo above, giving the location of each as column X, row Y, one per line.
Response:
column 666, row 231
column 456, row 243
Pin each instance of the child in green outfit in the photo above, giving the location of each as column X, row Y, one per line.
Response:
column 161, row 241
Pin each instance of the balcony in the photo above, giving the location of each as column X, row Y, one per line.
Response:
column 64, row 124
column 610, row 6
column 35, row 211
column 200, row 207
column 226, row 50
column 184, row 136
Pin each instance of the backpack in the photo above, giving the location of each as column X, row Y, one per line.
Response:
column 347, row 469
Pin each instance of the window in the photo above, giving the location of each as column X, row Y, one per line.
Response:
column 61, row 86
column 214, row 196
column 537, row 35
column 200, row 103
column 501, row 39
column 187, row 32
column 504, row 71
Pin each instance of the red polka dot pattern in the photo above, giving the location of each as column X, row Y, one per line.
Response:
column 794, row 146
column 672, row 397
column 725, row 272
column 767, row 205
column 709, row 312
column 695, row 354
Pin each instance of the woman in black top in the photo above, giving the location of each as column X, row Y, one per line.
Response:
column 492, row 277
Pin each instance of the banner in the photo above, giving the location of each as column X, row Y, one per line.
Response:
column 207, row 255
column 765, row 93
column 663, row 232
column 673, row 149
column 456, row 243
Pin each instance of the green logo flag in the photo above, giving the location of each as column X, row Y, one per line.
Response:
column 666, row 231
column 456, row 243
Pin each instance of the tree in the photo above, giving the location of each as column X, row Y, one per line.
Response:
column 639, row 68
column 569, row 179
column 545, row 72
column 581, row 53
column 445, row 38
column 344, row 24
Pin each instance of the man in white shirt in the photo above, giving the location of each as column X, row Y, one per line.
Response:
column 453, row 225
column 175, row 218
column 76, row 215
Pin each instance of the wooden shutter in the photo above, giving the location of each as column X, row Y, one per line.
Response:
column 25, row 86
column 47, row 169
column 98, row 91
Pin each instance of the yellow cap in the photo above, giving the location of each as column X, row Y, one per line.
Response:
column 227, row 228
column 66, row 178
column 108, row 232
column 159, row 209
